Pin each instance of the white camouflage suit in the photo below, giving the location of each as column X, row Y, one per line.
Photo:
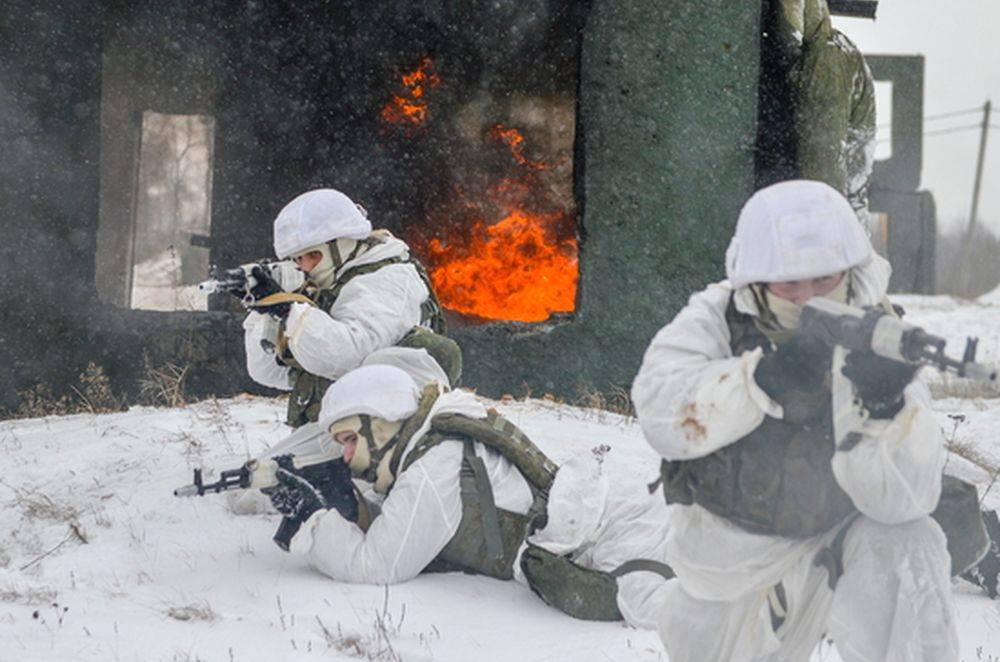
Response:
column 371, row 314
column 893, row 602
column 421, row 513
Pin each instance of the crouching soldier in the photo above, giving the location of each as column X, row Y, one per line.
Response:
column 466, row 490
column 364, row 294
column 779, row 534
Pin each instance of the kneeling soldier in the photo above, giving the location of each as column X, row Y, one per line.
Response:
column 779, row 533
column 364, row 294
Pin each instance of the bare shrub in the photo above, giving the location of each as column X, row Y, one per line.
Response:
column 614, row 399
column 92, row 394
column 39, row 401
column 163, row 385
column 95, row 391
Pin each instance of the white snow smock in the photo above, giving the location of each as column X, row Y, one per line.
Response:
column 418, row 517
column 893, row 602
column 601, row 527
column 373, row 312
column 423, row 510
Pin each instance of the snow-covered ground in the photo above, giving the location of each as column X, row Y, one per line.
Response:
column 98, row 561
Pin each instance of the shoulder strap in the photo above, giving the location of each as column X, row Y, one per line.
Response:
column 501, row 435
column 643, row 565
column 428, row 397
column 743, row 332
column 476, row 481
column 495, row 432
column 327, row 297
column 431, row 312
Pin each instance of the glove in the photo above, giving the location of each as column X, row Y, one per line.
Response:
column 798, row 365
column 265, row 285
column 294, row 496
column 879, row 382
column 296, row 499
column 333, row 480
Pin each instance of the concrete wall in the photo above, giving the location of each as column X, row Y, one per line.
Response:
column 667, row 124
column 666, row 131
column 49, row 113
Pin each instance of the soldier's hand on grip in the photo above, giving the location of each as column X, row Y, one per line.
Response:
column 879, row 381
column 798, row 364
column 265, row 286
column 294, row 497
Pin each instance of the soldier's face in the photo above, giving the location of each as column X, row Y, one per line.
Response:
column 800, row 291
column 349, row 440
column 307, row 261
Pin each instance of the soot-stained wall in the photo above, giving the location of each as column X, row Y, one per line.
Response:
column 666, row 123
column 49, row 111
column 666, row 131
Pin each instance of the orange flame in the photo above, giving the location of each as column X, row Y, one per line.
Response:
column 515, row 142
column 409, row 109
column 515, row 269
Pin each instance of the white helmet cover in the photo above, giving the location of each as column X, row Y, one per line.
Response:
column 795, row 230
column 382, row 391
column 316, row 217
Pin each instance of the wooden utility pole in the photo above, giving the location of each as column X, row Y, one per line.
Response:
column 987, row 109
column 969, row 233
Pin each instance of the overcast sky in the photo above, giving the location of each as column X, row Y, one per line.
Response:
column 961, row 43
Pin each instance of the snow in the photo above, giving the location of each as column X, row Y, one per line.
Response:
column 991, row 298
column 98, row 561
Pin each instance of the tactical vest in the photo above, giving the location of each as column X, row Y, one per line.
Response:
column 488, row 538
column 777, row 480
column 308, row 389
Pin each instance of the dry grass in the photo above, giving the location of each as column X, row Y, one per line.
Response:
column 201, row 611
column 27, row 596
column 966, row 389
column 375, row 646
column 968, row 451
column 92, row 394
column 38, row 505
column 163, row 385
column 615, row 399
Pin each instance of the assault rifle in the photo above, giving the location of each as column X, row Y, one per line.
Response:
column 299, row 453
column 240, row 281
column 875, row 330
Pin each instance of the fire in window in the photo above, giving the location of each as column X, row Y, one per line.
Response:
column 499, row 233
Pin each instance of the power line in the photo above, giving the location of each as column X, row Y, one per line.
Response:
column 954, row 113
column 955, row 129
column 942, row 132
column 940, row 116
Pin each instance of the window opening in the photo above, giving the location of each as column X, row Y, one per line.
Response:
column 172, row 212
